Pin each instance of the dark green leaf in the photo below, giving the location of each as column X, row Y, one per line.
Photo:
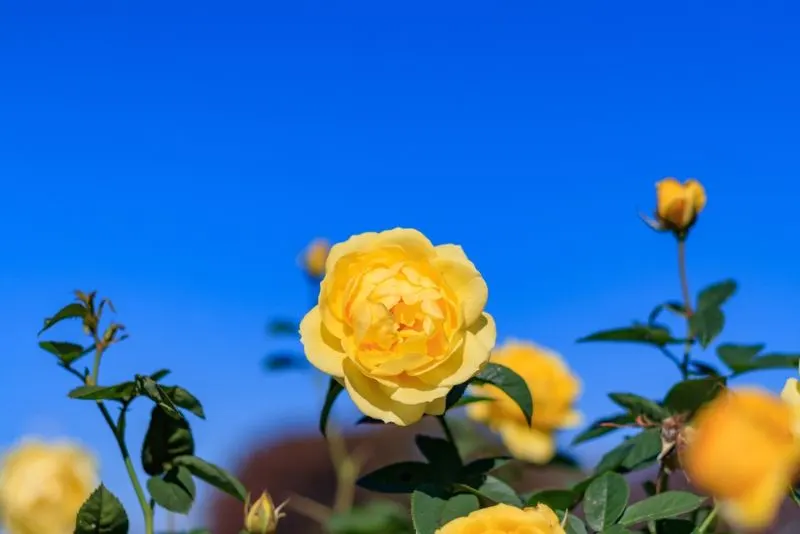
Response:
column 470, row 399
column 510, row 383
column 65, row 352
column 497, row 491
column 673, row 306
column 557, row 499
column 744, row 358
column 598, row 428
column 102, row 513
column 616, row 529
column 703, row 369
column 283, row 327
column 402, row 477
column 366, row 420
column 484, row 465
column 637, row 406
column 459, row 505
column 573, row 524
column 706, row 324
column 432, row 506
column 213, row 475
column 614, row 458
column 70, row 311
column 715, row 295
column 166, row 439
column 564, row 459
column 376, row 516
column 152, row 390
column 160, row 374
column 334, row 388
column 175, row 491
column 605, row 500
column 675, row 526
column 183, row 399
column 440, row 453
column 652, row 335
column 689, row 395
column 662, row 506
column 644, row 448
column 455, row 394
column 118, row 392
column 283, row 361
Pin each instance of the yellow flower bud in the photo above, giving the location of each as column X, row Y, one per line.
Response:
column 678, row 204
column 743, row 452
column 314, row 258
column 262, row 517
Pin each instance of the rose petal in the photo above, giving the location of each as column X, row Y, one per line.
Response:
column 322, row 349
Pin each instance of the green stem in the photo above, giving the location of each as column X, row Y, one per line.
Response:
column 448, row 433
column 118, row 429
column 706, row 522
column 687, row 304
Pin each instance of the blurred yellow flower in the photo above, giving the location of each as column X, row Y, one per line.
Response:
column 43, row 485
column 262, row 517
column 744, row 453
column 679, row 204
column 554, row 390
column 791, row 395
column 314, row 258
column 399, row 323
column 505, row 519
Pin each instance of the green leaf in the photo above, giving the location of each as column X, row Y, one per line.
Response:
column 455, row 395
column 64, row 351
column 675, row 526
column 743, row 358
column 118, row 392
column 715, row 295
column 401, row 477
column 706, row 324
column 153, row 391
column 637, row 406
column 102, row 513
column 160, row 374
column 433, row 506
column 573, row 524
column 661, row 506
column 643, row 449
column 597, row 428
column 500, row 492
column 183, row 399
column 616, row 529
column 283, row 327
column 375, row 516
column 651, row 335
column 213, row 475
column 614, row 458
column 70, row 311
column 482, row 466
column 440, row 453
column 510, row 383
column 699, row 368
column 688, row 396
column 334, row 389
column 672, row 306
column 605, row 500
column 557, row 499
column 175, row 491
column 283, row 361
column 166, row 439
column 471, row 399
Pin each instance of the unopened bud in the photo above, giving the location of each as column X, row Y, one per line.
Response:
column 262, row 517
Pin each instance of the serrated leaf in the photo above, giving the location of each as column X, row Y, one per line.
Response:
column 557, row 499
column 334, row 389
column 175, row 492
column 102, row 513
column 688, row 396
column 638, row 405
column 118, row 392
column 401, row 477
column 213, row 475
column 66, row 352
column 70, row 311
column 715, row 295
column 510, row 383
column 651, row 335
column 597, row 429
column 662, row 506
column 605, row 500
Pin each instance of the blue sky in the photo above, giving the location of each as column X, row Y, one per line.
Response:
column 178, row 156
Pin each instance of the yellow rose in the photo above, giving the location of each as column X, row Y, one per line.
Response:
column 554, row 390
column 314, row 257
column 744, row 453
column 505, row 519
column 262, row 517
column 399, row 323
column 679, row 204
column 791, row 396
column 42, row 487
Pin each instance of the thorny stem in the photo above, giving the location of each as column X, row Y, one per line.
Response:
column 707, row 521
column 118, row 429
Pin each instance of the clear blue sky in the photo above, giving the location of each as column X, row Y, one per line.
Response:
column 178, row 155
